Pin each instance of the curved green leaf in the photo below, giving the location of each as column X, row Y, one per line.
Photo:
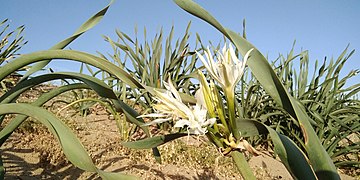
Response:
column 249, row 128
column 153, row 141
column 291, row 156
column 90, row 23
column 69, row 55
column 322, row 163
column 71, row 146
column 115, row 176
column 15, row 123
column 97, row 85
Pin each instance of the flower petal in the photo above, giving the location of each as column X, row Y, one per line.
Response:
column 181, row 123
column 157, row 121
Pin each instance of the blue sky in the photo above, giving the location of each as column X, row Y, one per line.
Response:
column 324, row 28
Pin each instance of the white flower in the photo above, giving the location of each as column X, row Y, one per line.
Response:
column 227, row 71
column 197, row 122
column 171, row 107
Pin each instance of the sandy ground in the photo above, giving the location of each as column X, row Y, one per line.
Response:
column 33, row 153
column 37, row 155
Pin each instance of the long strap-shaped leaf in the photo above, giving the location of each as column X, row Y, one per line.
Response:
column 153, row 142
column 68, row 55
column 260, row 67
column 72, row 55
column 90, row 23
column 97, row 85
column 14, row 123
column 71, row 145
column 291, row 156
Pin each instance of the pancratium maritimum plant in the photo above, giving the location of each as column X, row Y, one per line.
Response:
column 229, row 131
column 201, row 118
column 227, row 71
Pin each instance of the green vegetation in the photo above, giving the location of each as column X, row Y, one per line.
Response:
column 332, row 106
column 9, row 46
column 311, row 125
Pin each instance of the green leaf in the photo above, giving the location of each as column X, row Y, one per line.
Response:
column 97, row 85
column 153, row 141
column 71, row 146
column 90, row 23
column 291, row 156
column 15, row 123
column 249, row 128
column 115, row 176
column 68, row 55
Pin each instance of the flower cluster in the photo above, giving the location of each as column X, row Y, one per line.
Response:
column 171, row 107
column 228, row 70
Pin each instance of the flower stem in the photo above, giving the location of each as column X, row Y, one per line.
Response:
column 230, row 98
column 242, row 165
column 215, row 140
